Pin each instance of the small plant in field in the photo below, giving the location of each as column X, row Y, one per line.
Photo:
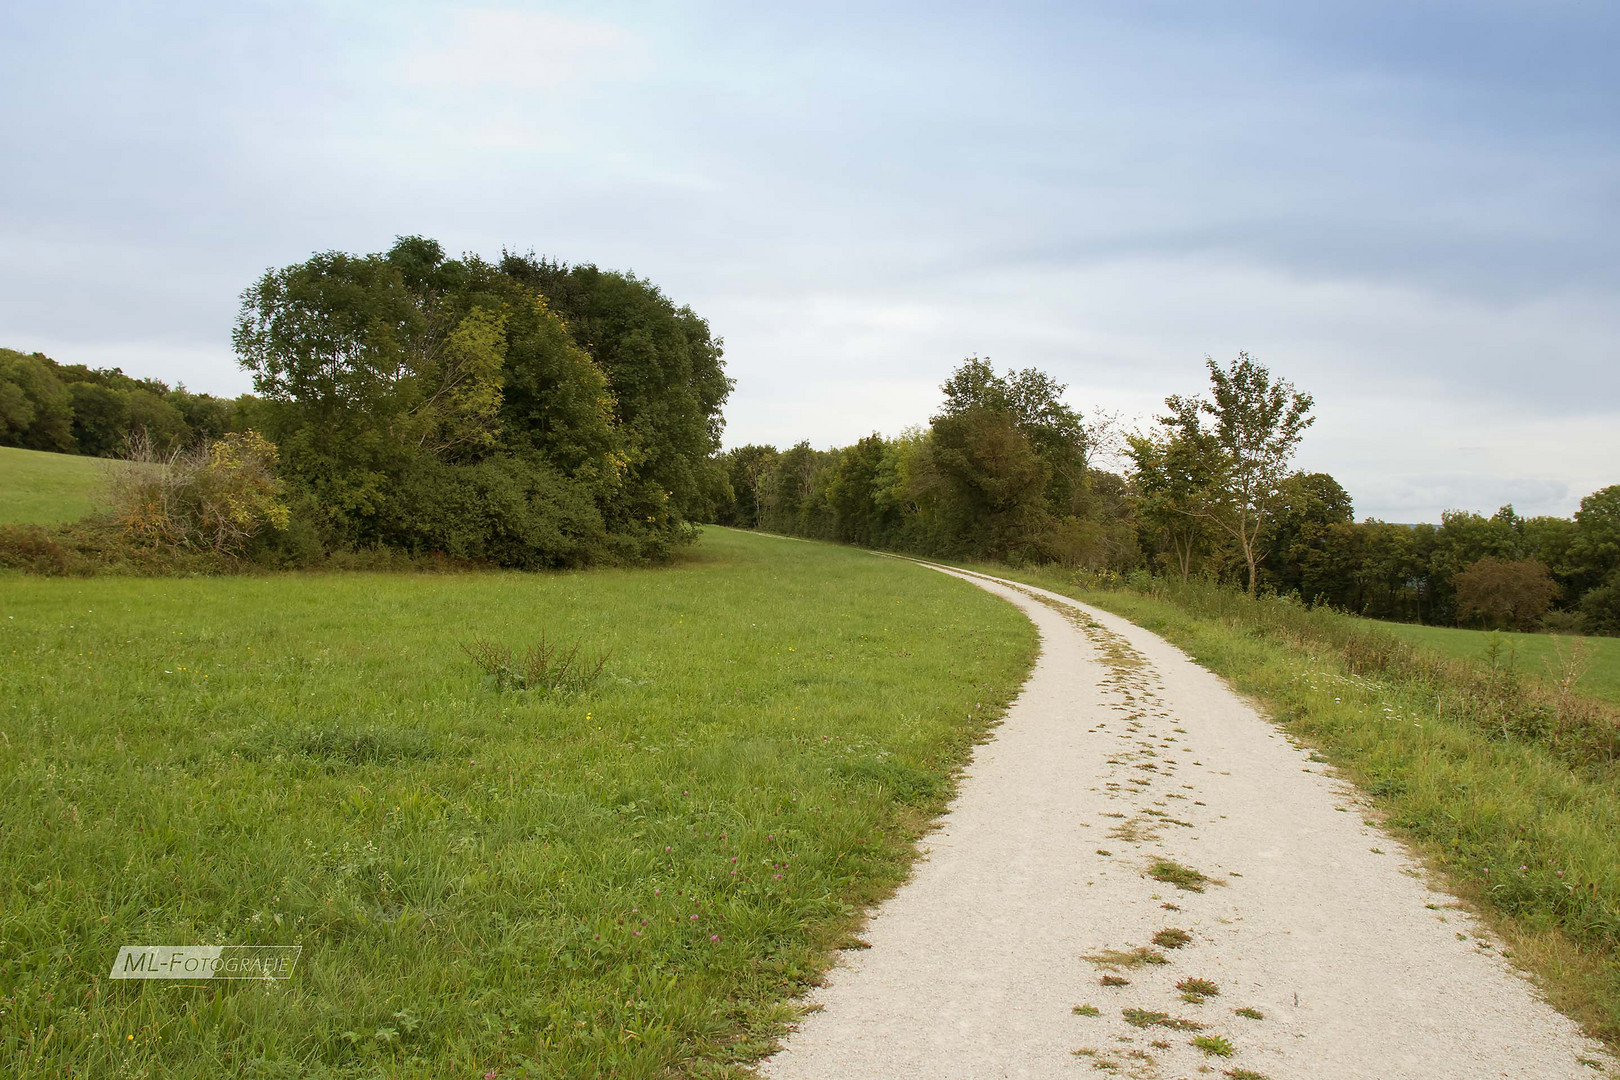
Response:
column 1196, row 990
column 1246, row 1074
column 1171, row 938
column 1214, row 1045
column 1087, row 1010
column 1250, row 1013
column 545, row 667
column 1146, row 1018
column 1115, row 980
column 1182, row 877
column 1127, row 958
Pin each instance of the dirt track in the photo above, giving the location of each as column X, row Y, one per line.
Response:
column 1120, row 752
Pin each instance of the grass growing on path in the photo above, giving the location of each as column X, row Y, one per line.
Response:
column 629, row 882
column 37, row 488
column 1519, row 832
column 1534, row 655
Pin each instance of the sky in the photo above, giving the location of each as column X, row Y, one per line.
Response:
column 1410, row 210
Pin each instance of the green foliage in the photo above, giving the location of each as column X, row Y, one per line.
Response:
column 102, row 412
column 1000, row 472
column 1255, row 424
column 527, row 414
column 1504, row 593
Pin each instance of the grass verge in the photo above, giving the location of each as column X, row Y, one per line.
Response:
column 1534, row 655
column 1514, row 802
column 633, row 881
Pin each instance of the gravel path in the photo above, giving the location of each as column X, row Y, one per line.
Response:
column 1035, row 891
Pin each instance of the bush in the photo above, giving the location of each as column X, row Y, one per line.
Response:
column 547, row 668
column 214, row 498
column 510, row 511
column 1503, row 593
column 1601, row 607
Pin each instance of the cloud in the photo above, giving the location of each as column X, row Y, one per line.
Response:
column 506, row 49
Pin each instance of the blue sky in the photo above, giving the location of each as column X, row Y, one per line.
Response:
column 1408, row 209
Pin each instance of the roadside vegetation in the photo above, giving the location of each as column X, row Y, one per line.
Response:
column 630, row 877
column 1508, row 785
column 1593, row 661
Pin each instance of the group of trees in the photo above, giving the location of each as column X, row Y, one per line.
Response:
column 74, row 409
column 1004, row 471
column 521, row 413
column 1000, row 472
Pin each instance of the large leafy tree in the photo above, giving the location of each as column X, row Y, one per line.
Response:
column 1255, row 423
column 450, row 404
column 665, row 371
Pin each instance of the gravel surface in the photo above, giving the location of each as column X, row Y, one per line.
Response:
column 1030, row 903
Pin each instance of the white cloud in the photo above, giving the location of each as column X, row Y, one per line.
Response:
column 500, row 48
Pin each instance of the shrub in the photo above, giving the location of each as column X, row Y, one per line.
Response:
column 1601, row 607
column 545, row 667
column 214, row 498
column 1505, row 593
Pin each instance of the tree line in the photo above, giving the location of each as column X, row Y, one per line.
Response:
column 100, row 412
column 1005, row 470
column 519, row 412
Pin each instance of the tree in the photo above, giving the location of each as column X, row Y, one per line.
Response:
column 665, row 372
column 852, row 493
column 100, row 419
column 994, row 480
column 1505, row 593
column 1034, row 401
column 748, row 468
column 1594, row 550
column 1173, row 473
column 1255, row 424
column 1307, row 506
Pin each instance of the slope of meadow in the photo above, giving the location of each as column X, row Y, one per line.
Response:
column 37, row 488
column 1534, row 655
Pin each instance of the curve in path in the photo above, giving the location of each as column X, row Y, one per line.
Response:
column 1122, row 758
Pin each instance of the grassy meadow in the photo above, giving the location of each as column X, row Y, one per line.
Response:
column 48, row 489
column 1534, row 655
column 1518, row 826
column 631, row 881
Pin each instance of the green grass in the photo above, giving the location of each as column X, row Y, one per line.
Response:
column 1530, row 654
column 1521, row 830
column 37, row 488
column 632, row 882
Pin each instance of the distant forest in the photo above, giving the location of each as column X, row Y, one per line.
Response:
column 1006, row 471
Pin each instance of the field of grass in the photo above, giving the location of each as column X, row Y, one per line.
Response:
column 630, row 882
column 1531, row 654
column 1519, row 833
column 47, row 489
